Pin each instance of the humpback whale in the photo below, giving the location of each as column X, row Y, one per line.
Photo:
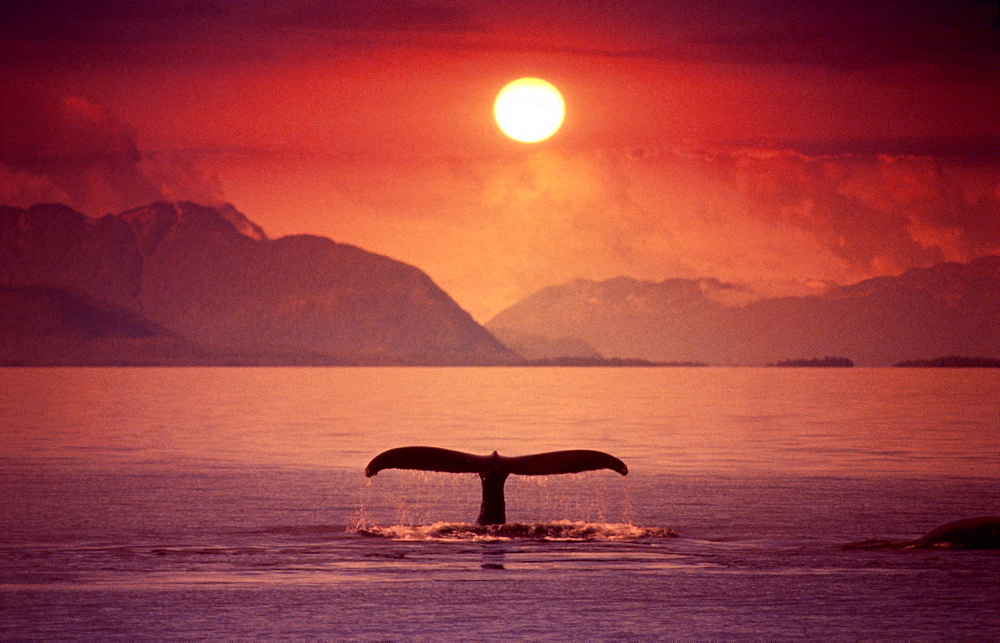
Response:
column 982, row 532
column 493, row 469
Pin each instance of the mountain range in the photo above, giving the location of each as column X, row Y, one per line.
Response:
column 947, row 309
column 181, row 283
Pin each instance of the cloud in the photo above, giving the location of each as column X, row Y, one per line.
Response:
column 390, row 15
column 855, row 34
column 493, row 230
column 878, row 214
column 178, row 177
column 949, row 205
column 187, row 31
column 74, row 151
column 843, row 35
column 106, row 19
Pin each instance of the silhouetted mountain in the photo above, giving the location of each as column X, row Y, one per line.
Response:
column 816, row 362
column 538, row 347
column 949, row 308
column 211, row 276
column 49, row 326
column 55, row 246
column 36, row 311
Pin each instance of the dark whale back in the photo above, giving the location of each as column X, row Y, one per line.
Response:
column 970, row 533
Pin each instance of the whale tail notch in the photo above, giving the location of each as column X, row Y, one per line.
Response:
column 493, row 469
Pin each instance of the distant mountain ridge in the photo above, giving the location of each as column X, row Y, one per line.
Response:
column 947, row 309
column 179, row 283
column 212, row 280
column 51, row 327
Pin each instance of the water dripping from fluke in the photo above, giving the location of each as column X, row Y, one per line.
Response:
column 494, row 469
column 555, row 531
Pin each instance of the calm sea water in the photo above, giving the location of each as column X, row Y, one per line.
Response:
column 231, row 503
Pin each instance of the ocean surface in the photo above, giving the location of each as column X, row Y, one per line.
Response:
column 224, row 503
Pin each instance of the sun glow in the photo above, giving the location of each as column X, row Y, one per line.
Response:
column 529, row 110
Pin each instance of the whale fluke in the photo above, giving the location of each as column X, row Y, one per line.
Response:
column 493, row 469
column 448, row 461
column 426, row 459
column 556, row 462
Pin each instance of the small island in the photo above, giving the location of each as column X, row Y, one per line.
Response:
column 952, row 361
column 826, row 362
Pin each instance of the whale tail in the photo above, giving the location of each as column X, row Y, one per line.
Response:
column 539, row 464
column 493, row 469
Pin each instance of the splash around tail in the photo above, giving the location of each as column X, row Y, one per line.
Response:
column 556, row 531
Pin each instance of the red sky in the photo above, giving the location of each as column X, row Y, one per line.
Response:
column 779, row 143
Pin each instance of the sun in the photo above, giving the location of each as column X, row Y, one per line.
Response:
column 529, row 110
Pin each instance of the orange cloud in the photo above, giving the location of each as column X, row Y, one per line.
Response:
column 73, row 151
column 491, row 230
column 774, row 142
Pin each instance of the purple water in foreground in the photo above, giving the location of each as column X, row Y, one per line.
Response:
column 230, row 503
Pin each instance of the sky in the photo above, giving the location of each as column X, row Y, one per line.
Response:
column 784, row 145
